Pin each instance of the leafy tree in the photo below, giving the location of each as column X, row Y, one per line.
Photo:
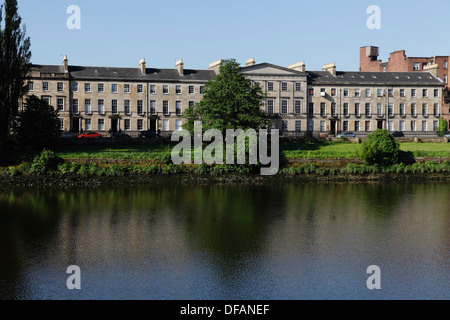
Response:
column 230, row 101
column 380, row 148
column 15, row 64
column 38, row 124
column 442, row 127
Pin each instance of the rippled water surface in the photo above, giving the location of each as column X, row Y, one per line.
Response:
column 223, row 242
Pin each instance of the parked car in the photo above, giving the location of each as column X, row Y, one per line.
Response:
column 89, row 135
column 447, row 136
column 346, row 135
column 398, row 134
column 148, row 134
column 68, row 135
column 119, row 136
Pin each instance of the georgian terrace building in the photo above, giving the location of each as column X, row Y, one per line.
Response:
column 134, row 99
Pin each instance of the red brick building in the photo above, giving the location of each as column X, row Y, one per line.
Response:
column 399, row 62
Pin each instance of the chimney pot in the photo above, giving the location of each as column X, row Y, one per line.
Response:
column 143, row 66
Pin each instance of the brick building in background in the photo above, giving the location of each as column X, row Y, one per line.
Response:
column 399, row 62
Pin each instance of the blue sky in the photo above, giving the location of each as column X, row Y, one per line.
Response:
column 281, row 32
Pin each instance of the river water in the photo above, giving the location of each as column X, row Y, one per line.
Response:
column 278, row 242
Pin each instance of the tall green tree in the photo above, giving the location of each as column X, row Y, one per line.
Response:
column 442, row 127
column 15, row 64
column 230, row 101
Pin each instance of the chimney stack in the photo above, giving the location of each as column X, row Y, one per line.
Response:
column 250, row 62
column 433, row 69
column 179, row 65
column 66, row 64
column 299, row 66
column 331, row 68
column 143, row 66
column 215, row 66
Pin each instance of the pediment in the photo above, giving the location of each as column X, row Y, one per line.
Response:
column 267, row 69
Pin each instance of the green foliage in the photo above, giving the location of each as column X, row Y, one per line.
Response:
column 380, row 148
column 45, row 162
column 230, row 101
column 442, row 128
column 38, row 124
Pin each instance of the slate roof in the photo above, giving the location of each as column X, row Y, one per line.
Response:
column 373, row 78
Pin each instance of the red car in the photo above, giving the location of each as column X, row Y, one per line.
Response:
column 90, row 135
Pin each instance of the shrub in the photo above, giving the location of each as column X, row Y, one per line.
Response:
column 45, row 162
column 380, row 148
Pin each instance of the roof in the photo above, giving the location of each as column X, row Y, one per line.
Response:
column 264, row 69
column 131, row 74
column 374, row 78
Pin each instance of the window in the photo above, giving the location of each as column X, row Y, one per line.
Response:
column 436, row 93
column 368, row 113
column 402, row 92
column 114, row 107
column 310, row 125
column 391, row 125
column 178, row 89
column 152, row 107
column 60, row 104
column 202, row 89
column 391, row 109
column 178, row 126
column 436, row 109
column 424, row 126
column 140, row 107
column 356, row 125
column 357, row 92
column 114, row 88
column 311, row 92
column 379, row 110
column 284, row 106
column 311, row 109
column 166, row 108
column 298, row 125
column 402, row 110
column 165, row 89
column 178, row 108
column 127, row 124
column 270, row 106
column 45, row 86
column 413, row 125
column 87, row 106
column 435, row 125
column 75, row 109
column 140, row 88
column 379, row 92
column 413, row 93
column 61, row 124
column 46, row 99
column 101, row 87
column 416, row 66
column 345, row 92
column 390, row 92
column 413, row 109
column 298, row 86
column 323, row 111
column 333, row 92
column 101, row 125
column 425, row 109
column 30, row 86
column 402, row 125
column 191, row 104
column 323, row 126
column 165, row 125
column 152, row 89
column 424, row 64
column 87, row 87
column 74, row 87
column 126, row 88
column 126, row 107
column 60, row 87
column 87, row 124
column 368, row 93
column 345, row 125
column 346, row 110
column 140, row 124
column 101, row 106
column 333, row 110
column 191, row 89
column 284, row 125
column 284, row 86
column 445, row 64
column 367, row 126
column 269, row 86
column 297, row 106
column 357, row 111
column 424, row 93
